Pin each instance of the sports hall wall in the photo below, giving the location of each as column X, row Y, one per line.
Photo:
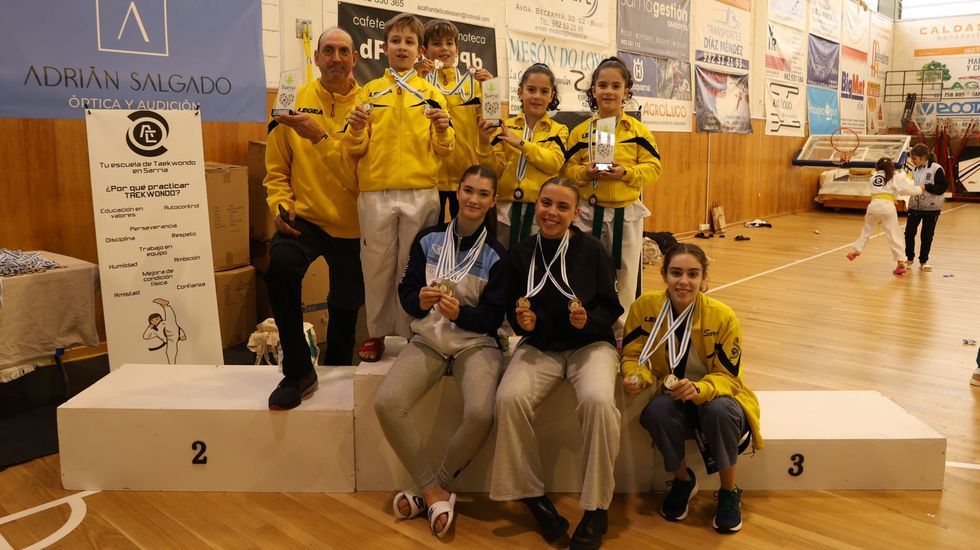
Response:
column 46, row 194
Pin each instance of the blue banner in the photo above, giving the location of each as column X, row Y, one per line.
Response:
column 823, row 63
column 60, row 55
column 823, row 110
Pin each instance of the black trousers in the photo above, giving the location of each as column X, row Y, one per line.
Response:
column 928, row 220
column 289, row 258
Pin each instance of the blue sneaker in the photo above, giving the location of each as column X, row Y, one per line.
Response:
column 728, row 517
column 677, row 502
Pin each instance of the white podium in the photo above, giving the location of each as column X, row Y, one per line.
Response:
column 207, row 428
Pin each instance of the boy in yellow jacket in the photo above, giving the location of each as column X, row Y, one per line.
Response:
column 461, row 86
column 397, row 132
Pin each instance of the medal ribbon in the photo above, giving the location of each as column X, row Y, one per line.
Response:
column 447, row 267
column 675, row 349
column 522, row 162
column 533, row 289
column 461, row 79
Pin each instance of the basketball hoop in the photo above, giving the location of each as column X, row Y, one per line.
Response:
column 844, row 146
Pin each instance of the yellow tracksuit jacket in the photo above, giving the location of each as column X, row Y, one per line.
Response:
column 717, row 339
column 636, row 151
column 464, row 116
column 313, row 179
column 545, row 153
column 399, row 148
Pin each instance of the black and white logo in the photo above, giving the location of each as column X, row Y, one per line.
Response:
column 878, row 180
column 147, row 133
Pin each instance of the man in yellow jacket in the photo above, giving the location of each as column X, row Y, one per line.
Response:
column 308, row 181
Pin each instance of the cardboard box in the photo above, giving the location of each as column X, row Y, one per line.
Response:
column 316, row 285
column 718, row 219
column 261, row 225
column 235, row 289
column 227, row 187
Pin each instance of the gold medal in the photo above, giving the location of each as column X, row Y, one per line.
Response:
column 446, row 287
column 367, row 107
column 671, row 381
column 574, row 304
column 524, row 302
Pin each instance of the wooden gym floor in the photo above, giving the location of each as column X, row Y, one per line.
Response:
column 811, row 321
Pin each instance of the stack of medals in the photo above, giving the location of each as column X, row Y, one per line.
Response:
column 461, row 79
column 675, row 349
column 522, row 162
column 533, row 289
column 448, row 272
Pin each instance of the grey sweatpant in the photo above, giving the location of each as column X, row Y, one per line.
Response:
column 529, row 378
column 722, row 422
column 418, row 368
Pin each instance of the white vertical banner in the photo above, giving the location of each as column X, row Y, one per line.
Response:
column 153, row 236
column 880, row 54
column 789, row 12
column 583, row 20
column 825, row 19
column 856, row 31
column 785, row 108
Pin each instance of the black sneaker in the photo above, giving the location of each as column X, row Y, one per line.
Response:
column 728, row 518
column 677, row 501
column 290, row 392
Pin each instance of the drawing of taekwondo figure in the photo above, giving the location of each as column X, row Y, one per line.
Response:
column 165, row 329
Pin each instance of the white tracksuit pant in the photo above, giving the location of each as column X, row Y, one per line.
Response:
column 629, row 270
column 882, row 212
column 389, row 222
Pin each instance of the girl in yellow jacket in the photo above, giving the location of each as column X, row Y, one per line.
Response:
column 692, row 345
column 525, row 151
column 613, row 209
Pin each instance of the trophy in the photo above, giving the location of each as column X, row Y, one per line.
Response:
column 492, row 102
column 289, row 82
column 605, row 144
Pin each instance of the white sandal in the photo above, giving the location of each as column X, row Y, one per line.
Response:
column 416, row 505
column 440, row 508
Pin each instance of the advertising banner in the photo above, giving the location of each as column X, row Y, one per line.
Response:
column 584, row 20
column 881, row 46
column 154, row 238
column 823, row 110
column 723, row 37
column 825, row 19
column 661, row 28
column 823, row 63
column 785, row 108
column 572, row 63
column 786, row 54
column 722, row 102
column 853, row 77
column 477, row 44
column 856, row 30
column 788, row 12
column 662, row 90
column 62, row 56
